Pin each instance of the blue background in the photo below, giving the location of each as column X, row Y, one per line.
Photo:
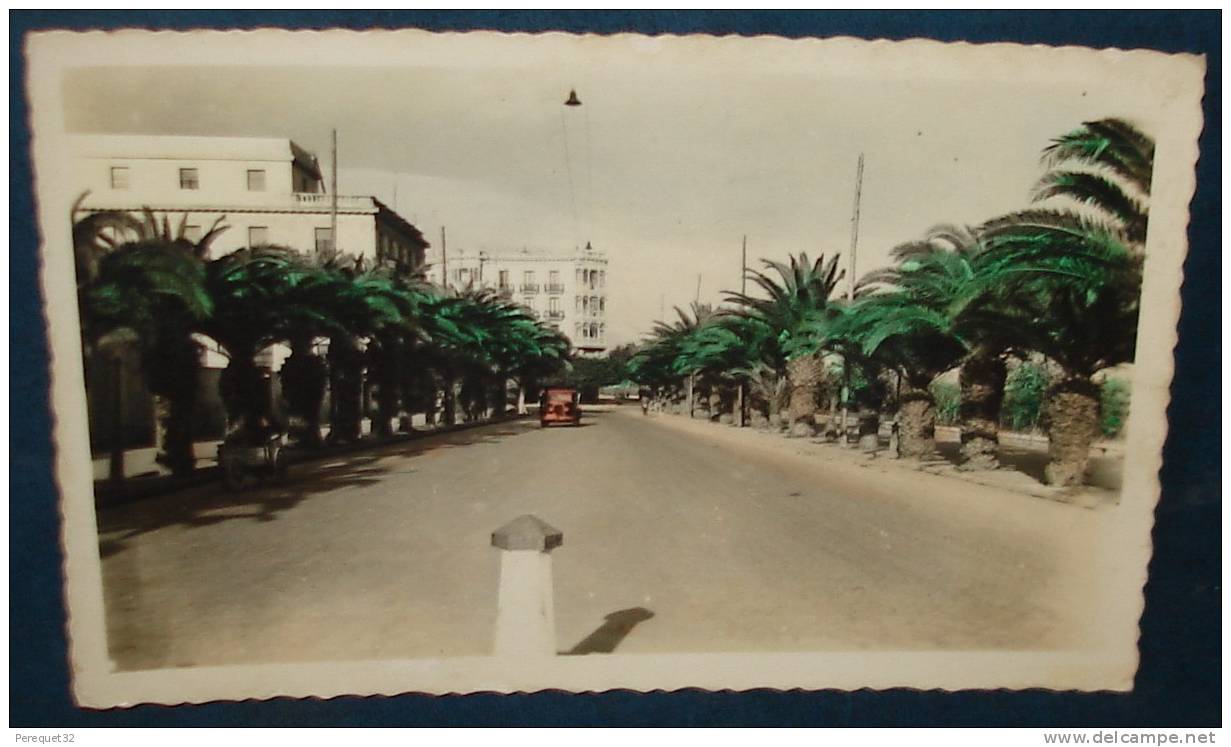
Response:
column 1179, row 683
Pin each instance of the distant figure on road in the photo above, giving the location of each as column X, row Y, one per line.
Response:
column 644, row 395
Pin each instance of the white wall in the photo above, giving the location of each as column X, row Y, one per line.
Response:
column 569, row 268
column 157, row 182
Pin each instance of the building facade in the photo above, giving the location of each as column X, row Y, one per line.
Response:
column 566, row 291
column 265, row 190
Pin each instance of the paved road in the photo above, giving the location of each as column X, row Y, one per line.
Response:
column 677, row 539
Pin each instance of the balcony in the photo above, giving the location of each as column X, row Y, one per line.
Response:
column 555, row 288
column 505, row 291
column 555, row 315
column 529, row 287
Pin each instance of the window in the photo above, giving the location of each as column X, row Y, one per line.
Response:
column 553, row 277
column 258, row 235
column 119, row 177
column 256, row 180
column 553, row 304
column 504, row 278
column 189, row 179
column 324, row 240
column 192, row 233
column 602, row 304
column 527, row 277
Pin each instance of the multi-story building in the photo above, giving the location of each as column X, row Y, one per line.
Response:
column 266, row 190
column 567, row 291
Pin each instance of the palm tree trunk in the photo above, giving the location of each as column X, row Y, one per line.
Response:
column 385, row 360
column 498, row 399
column 804, row 376
column 916, row 423
column 304, row 377
column 982, row 380
column 242, row 389
column 448, row 402
column 1072, row 412
column 173, row 376
column 115, row 467
column 346, row 390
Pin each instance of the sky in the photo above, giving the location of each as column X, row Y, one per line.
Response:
column 667, row 165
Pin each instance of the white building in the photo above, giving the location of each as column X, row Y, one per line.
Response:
column 267, row 190
column 567, row 291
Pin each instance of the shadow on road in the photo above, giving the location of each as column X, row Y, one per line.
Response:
column 611, row 633
column 212, row 504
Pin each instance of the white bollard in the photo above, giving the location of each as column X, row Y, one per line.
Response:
column 525, row 612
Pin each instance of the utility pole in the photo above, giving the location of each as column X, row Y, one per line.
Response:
column 850, row 287
column 333, row 198
column 741, row 416
column 444, row 259
column 692, row 377
column 850, row 282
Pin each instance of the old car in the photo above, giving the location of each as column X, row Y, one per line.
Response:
column 560, row 405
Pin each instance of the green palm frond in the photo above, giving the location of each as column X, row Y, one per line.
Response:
column 1111, row 144
column 1099, row 192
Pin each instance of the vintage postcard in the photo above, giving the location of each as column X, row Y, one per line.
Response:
column 400, row 361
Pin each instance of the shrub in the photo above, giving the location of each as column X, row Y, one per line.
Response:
column 948, row 398
column 1114, row 398
column 1023, row 397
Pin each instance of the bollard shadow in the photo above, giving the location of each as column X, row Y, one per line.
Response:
column 611, row 633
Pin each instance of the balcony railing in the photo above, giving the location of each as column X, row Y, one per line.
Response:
column 319, row 199
column 505, row 291
column 555, row 288
column 555, row 315
column 529, row 287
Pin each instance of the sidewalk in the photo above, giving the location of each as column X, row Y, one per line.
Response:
column 145, row 478
column 1023, row 457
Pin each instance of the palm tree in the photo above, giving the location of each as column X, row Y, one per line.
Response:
column 733, row 350
column 140, row 275
column 1076, row 274
column 672, row 335
column 1106, row 165
column 947, row 269
column 894, row 324
column 250, row 288
column 802, row 291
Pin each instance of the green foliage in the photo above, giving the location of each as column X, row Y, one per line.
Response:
column 588, row 375
column 948, row 397
column 140, row 277
column 1114, row 399
column 799, row 297
column 1025, row 389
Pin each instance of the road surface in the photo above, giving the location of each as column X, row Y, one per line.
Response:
column 680, row 536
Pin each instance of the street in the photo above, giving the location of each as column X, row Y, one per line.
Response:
column 679, row 536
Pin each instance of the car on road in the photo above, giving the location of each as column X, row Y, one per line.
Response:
column 560, row 405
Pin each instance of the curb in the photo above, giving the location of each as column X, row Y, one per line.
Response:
column 107, row 496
